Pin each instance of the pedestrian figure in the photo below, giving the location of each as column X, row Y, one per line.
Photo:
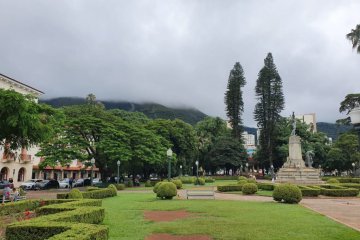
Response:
column 70, row 183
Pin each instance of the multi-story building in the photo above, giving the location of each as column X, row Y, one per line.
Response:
column 22, row 165
column 309, row 119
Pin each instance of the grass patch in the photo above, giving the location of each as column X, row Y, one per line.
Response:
column 221, row 220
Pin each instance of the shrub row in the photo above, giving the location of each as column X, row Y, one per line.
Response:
column 75, row 219
column 339, row 192
column 343, row 179
column 229, row 188
column 187, row 180
column 31, row 204
column 110, row 191
column 308, row 191
column 225, row 177
column 266, row 186
column 199, row 181
column 350, row 185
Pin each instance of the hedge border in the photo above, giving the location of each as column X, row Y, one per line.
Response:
column 72, row 219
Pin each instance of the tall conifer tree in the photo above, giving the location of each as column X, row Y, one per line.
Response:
column 234, row 101
column 267, row 111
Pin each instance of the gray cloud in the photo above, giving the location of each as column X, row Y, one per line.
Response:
column 181, row 52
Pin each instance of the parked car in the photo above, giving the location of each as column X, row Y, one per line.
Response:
column 96, row 181
column 82, row 182
column 64, row 183
column 47, row 184
column 30, row 184
column 3, row 183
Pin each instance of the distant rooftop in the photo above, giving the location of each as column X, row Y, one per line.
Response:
column 18, row 82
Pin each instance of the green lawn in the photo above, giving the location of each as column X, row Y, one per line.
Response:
column 221, row 220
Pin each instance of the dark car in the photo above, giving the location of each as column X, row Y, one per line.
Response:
column 3, row 183
column 82, row 182
column 47, row 184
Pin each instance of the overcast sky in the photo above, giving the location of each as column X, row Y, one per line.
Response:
column 181, row 52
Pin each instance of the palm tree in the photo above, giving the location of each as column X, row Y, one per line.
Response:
column 354, row 37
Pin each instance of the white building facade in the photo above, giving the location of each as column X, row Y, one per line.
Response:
column 17, row 166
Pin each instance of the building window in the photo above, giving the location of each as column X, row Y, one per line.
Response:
column 4, row 173
column 21, row 175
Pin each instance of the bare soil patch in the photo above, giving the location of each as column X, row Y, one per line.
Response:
column 165, row 236
column 166, row 216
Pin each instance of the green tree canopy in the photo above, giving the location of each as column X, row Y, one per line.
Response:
column 267, row 111
column 23, row 122
column 354, row 37
column 234, row 101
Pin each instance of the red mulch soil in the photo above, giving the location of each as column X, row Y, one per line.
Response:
column 165, row 236
column 165, row 216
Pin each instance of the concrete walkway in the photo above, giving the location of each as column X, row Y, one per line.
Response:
column 342, row 210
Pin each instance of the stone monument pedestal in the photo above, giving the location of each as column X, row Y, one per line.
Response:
column 294, row 169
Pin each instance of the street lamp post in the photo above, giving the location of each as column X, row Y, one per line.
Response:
column 180, row 170
column 241, row 166
column 92, row 170
column 169, row 155
column 353, row 165
column 355, row 120
column 246, row 169
column 197, row 171
column 118, row 176
column 272, row 173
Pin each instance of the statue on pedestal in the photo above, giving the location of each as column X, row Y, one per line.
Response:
column 293, row 132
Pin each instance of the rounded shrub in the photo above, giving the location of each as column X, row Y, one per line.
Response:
column 166, row 190
column 156, row 187
column 199, row 181
column 249, row 188
column 251, row 180
column 113, row 189
column 148, row 184
column 242, row 182
column 332, row 180
column 75, row 194
column 129, row 183
column 287, row 193
column 242, row 178
column 178, row 183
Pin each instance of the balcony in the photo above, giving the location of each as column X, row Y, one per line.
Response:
column 8, row 158
column 25, row 158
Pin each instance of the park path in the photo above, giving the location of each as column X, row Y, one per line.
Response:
column 343, row 210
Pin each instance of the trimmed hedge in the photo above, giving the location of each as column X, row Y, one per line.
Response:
column 187, row 180
column 225, row 177
column 350, row 185
column 338, row 191
column 209, row 180
column 332, row 180
column 166, row 190
column 120, row 186
column 230, row 188
column 110, row 191
column 148, row 183
column 287, row 193
column 309, row 191
column 266, row 186
column 74, row 219
column 75, row 194
column 343, row 179
column 249, row 188
column 177, row 183
column 199, row 181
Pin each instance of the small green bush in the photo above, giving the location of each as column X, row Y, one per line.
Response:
column 120, row 186
column 242, row 182
column 75, row 194
column 249, row 188
column 266, row 186
column 113, row 189
column 177, row 183
column 251, row 180
column 187, row 180
column 287, row 193
column 129, row 183
column 166, row 190
column 332, row 180
column 209, row 180
column 230, row 188
column 242, row 178
column 156, row 187
column 199, row 181
column 148, row 183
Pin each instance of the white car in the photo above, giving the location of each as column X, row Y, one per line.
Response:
column 96, row 180
column 64, row 183
column 29, row 184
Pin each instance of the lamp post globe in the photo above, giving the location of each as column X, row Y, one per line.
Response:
column 353, row 165
column 92, row 161
column 197, row 171
column 169, row 153
column 118, row 176
column 180, row 170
